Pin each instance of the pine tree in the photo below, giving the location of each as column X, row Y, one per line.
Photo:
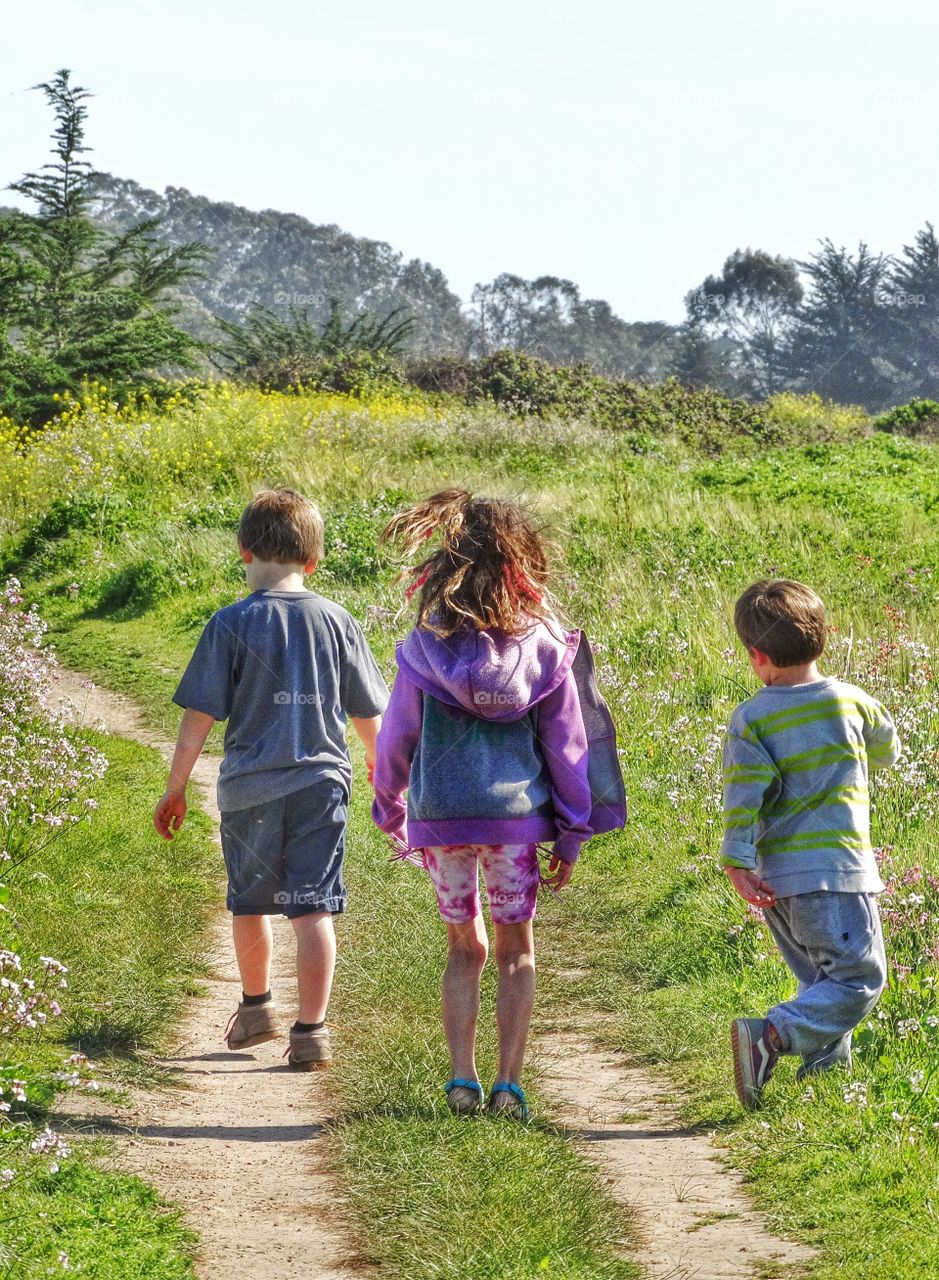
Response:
column 75, row 302
column 840, row 337
column 913, row 340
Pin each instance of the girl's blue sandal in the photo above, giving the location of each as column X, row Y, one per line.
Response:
column 463, row 1096
column 517, row 1108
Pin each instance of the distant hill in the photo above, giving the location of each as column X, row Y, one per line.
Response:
column 281, row 259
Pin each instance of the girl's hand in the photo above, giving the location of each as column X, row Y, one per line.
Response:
column 170, row 813
column 559, row 873
column 750, row 887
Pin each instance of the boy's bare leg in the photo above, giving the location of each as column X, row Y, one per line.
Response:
column 515, row 956
column 254, row 947
column 468, row 949
column 316, row 963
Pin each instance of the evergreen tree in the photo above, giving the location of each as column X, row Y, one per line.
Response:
column 914, row 318
column 77, row 302
column 840, row 340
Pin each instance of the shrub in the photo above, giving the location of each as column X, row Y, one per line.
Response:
column 524, row 384
column 448, row 375
column 705, row 419
column 807, row 419
column 919, row 419
column 137, row 586
column 106, row 515
column 45, row 767
column 357, row 373
column 287, row 354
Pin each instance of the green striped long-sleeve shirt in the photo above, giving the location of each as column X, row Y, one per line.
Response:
column 796, row 805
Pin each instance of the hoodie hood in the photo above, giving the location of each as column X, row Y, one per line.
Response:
column 488, row 673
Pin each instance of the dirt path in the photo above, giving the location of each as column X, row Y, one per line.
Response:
column 236, row 1145
column 693, row 1216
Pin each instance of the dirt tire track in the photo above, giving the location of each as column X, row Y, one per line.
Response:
column 236, row 1146
column 693, row 1216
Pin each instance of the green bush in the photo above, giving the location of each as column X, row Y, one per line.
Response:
column 919, row 419
column 137, row 586
column 447, row 375
column 795, row 419
column 524, row 384
column 106, row 514
column 357, row 373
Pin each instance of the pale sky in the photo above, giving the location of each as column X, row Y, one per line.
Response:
column 628, row 147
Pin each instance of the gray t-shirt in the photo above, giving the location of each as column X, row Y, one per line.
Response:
column 285, row 669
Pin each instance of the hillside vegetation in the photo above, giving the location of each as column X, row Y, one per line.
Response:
column 121, row 526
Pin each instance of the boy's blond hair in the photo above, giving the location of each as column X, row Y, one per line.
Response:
column 282, row 526
column 783, row 619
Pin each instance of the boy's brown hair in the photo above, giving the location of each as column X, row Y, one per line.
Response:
column 491, row 571
column 783, row 619
column 281, row 525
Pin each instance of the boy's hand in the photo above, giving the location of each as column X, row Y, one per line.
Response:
column 370, row 771
column 170, row 813
column 750, row 887
column 559, row 873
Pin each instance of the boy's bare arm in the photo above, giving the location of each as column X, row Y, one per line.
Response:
column 367, row 732
column 170, row 812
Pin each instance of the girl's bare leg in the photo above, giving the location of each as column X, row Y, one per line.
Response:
column 468, row 948
column 515, row 957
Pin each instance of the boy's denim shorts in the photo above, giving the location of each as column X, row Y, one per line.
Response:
column 284, row 857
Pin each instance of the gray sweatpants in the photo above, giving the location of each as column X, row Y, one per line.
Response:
column 834, row 944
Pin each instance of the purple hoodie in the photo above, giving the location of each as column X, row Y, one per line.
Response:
column 485, row 733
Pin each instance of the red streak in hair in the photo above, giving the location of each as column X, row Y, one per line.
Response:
column 520, row 582
column 416, row 585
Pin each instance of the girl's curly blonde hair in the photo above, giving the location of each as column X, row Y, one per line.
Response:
column 491, row 571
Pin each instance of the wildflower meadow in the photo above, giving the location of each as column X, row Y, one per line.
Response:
column 119, row 526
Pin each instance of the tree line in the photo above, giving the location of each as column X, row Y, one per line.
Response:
column 109, row 280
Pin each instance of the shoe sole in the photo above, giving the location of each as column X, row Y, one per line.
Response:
column 314, row 1064
column 749, row 1097
column 262, row 1037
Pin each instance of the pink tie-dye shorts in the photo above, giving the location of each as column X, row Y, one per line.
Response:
column 510, row 871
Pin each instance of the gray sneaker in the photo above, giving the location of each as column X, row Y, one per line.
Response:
column 309, row 1050
column 252, row 1024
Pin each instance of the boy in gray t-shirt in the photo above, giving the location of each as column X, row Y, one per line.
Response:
column 287, row 669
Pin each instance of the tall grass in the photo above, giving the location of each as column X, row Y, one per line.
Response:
column 126, row 915
column 129, row 546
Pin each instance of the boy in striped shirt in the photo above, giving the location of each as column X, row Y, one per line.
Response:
column 797, row 833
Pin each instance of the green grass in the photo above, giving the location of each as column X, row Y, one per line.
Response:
column 439, row 1195
column 126, row 913
column 104, row 1224
column 144, row 901
column 659, row 541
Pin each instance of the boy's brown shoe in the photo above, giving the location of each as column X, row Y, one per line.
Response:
column 309, row 1050
column 252, row 1024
